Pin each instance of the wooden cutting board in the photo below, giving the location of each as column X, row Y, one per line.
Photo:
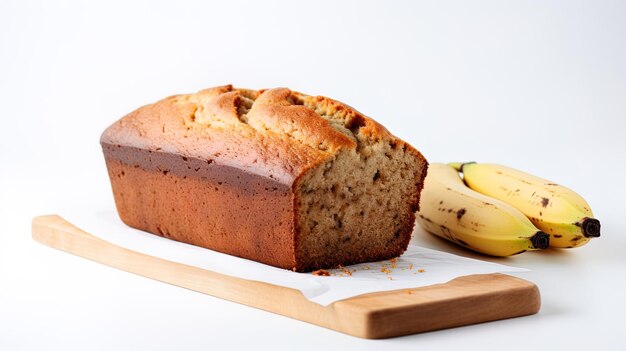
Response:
column 462, row 301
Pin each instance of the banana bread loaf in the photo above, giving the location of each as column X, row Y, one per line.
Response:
column 294, row 181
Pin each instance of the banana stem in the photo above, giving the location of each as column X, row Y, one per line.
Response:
column 459, row 165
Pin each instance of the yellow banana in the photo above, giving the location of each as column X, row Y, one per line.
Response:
column 553, row 208
column 453, row 211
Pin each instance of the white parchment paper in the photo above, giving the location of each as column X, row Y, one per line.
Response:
column 417, row 267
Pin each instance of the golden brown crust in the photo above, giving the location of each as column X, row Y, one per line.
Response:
column 206, row 151
column 279, row 136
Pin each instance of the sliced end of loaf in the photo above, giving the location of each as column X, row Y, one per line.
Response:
column 359, row 206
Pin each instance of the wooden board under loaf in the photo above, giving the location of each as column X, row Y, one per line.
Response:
column 462, row 301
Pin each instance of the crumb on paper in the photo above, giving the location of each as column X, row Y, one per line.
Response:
column 321, row 273
column 386, row 267
column 346, row 270
column 394, row 262
column 410, row 292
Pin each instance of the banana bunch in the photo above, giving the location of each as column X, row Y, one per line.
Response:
column 455, row 212
column 499, row 211
column 553, row 208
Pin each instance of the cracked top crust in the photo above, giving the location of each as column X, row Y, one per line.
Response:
column 275, row 133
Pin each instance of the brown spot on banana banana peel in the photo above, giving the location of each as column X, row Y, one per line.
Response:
column 426, row 219
column 462, row 242
column 575, row 239
column 558, row 236
column 590, row 227
column 540, row 240
column 460, row 213
column 545, row 201
column 447, row 233
column 552, row 184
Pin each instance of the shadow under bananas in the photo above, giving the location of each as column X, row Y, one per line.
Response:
column 529, row 259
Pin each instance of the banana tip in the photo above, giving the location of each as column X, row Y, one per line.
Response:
column 540, row 240
column 591, row 227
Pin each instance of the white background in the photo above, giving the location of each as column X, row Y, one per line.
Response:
column 537, row 85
